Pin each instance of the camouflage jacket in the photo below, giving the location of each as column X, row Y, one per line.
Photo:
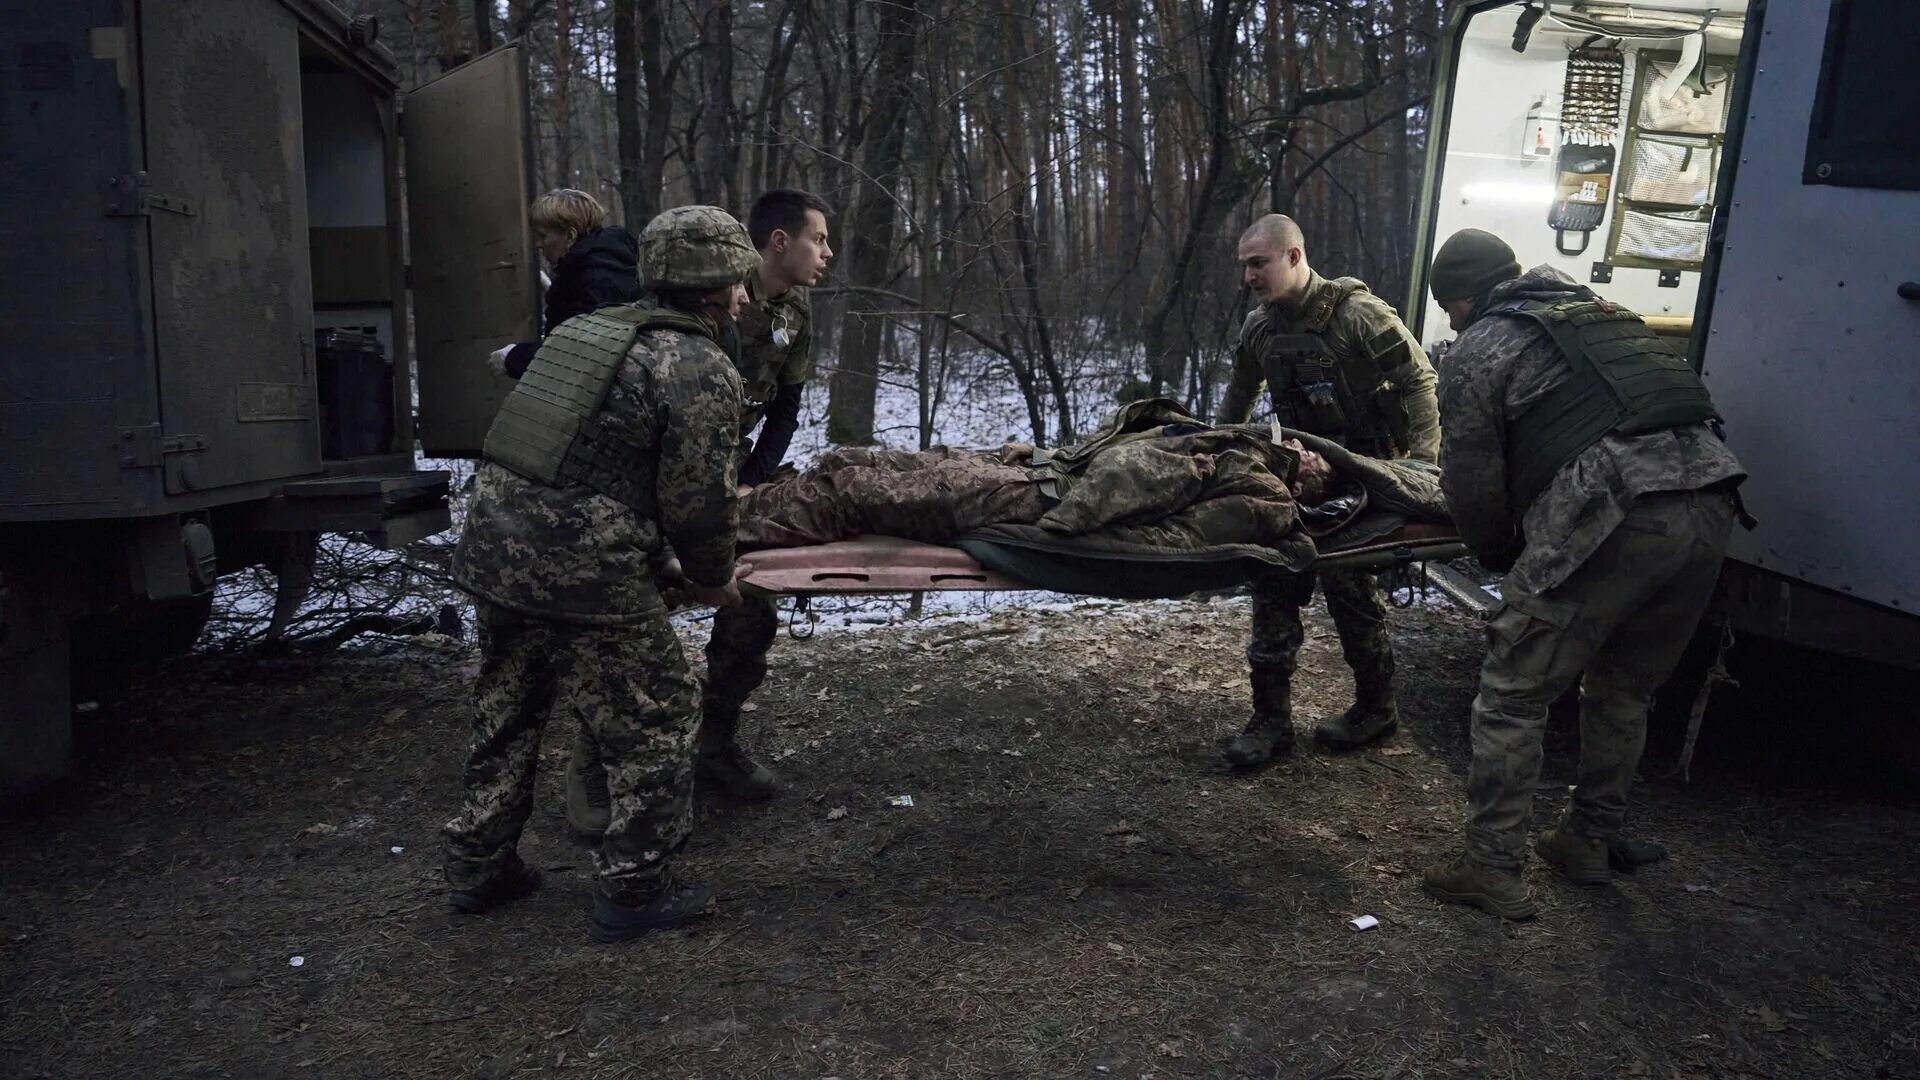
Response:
column 765, row 364
column 574, row 555
column 1497, row 369
column 1357, row 331
column 1151, row 479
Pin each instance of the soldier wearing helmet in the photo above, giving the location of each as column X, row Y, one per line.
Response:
column 616, row 445
column 789, row 227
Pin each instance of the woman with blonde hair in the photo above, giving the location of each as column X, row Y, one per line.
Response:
column 595, row 265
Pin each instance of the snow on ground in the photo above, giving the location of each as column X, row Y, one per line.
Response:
column 982, row 408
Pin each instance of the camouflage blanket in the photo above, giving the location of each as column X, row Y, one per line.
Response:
column 1152, row 487
column 1152, row 482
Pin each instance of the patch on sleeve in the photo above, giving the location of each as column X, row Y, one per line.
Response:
column 1388, row 349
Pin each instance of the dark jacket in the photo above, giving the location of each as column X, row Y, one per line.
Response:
column 602, row 268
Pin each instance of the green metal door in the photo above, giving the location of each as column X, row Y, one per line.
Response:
column 473, row 265
column 225, row 206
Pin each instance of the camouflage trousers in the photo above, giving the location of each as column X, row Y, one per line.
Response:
column 736, row 663
column 1359, row 613
column 630, row 688
column 1618, row 625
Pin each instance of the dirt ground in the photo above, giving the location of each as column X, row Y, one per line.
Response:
column 1077, row 890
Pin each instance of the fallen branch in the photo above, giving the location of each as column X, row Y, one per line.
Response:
column 995, row 631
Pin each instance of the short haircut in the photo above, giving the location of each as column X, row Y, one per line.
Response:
column 782, row 209
column 1277, row 229
column 567, row 210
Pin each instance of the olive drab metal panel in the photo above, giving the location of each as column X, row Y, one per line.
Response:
column 74, row 369
column 473, row 265
column 226, row 211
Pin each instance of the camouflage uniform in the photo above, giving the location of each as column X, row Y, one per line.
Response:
column 1611, row 567
column 1381, row 365
column 570, row 616
column 742, row 636
column 931, row 496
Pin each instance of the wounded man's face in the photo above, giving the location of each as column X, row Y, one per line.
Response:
column 1313, row 483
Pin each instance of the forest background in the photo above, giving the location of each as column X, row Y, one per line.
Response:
column 1036, row 203
column 1034, row 197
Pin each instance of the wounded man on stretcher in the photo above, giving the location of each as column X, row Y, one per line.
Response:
column 1156, row 503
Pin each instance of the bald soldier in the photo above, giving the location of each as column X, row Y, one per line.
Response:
column 1581, row 461
column 1337, row 362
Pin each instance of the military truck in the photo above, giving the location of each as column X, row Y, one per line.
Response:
column 234, row 252
column 1747, row 175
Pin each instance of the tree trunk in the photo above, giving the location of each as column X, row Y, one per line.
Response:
column 1218, row 191
column 870, row 231
column 483, row 39
column 453, row 41
column 718, row 151
column 651, row 167
column 1134, row 226
column 563, row 91
column 626, row 112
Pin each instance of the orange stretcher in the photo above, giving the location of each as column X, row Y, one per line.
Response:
column 869, row 565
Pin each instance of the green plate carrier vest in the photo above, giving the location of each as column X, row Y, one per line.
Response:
column 1626, row 379
column 1314, row 390
column 548, row 429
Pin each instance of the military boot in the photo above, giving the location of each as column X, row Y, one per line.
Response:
column 1464, row 881
column 718, row 757
column 1373, row 716
column 674, row 906
column 589, row 808
column 516, row 881
column 1269, row 734
column 1582, row 858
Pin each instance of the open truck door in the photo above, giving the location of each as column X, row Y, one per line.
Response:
column 223, row 198
column 473, row 268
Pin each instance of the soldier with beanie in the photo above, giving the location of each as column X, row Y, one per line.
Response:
column 1582, row 461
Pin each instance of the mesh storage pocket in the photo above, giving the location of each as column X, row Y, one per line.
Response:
column 1670, row 171
column 1690, row 111
column 1677, row 238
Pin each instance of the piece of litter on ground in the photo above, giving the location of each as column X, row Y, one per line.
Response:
column 319, row 829
column 900, row 800
column 396, row 849
column 1364, row 922
column 836, row 813
column 296, row 961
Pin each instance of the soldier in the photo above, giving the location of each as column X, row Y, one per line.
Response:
column 617, row 441
column 1338, row 363
column 789, row 231
column 1580, row 460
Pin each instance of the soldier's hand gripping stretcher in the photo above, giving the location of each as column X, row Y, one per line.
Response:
column 678, row 592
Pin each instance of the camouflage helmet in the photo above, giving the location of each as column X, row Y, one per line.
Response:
column 695, row 247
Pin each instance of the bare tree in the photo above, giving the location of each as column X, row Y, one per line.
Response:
column 871, row 224
column 718, row 151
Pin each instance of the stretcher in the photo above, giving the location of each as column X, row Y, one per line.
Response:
column 871, row 565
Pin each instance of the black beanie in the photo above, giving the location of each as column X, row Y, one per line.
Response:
column 1471, row 262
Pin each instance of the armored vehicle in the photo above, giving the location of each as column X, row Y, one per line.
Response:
column 248, row 281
